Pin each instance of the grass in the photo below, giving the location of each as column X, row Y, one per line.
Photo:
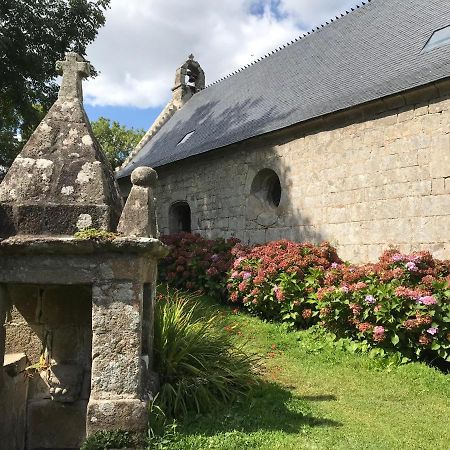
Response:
column 199, row 365
column 314, row 396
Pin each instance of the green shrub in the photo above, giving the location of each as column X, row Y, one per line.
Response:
column 199, row 366
column 197, row 264
column 400, row 304
column 278, row 280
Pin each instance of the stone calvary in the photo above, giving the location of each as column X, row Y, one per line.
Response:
column 77, row 344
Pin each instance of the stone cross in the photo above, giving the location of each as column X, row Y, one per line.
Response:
column 73, row 70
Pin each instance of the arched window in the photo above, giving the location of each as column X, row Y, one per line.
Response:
column 180, row 217
column 266, row 187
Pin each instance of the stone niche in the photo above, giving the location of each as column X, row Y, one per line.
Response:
column 53, row 322
column 84, row 309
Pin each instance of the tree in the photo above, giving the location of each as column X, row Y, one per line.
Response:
column 117, row 141
column 34, row 34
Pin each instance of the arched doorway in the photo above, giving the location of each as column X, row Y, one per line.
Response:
column 179, row 217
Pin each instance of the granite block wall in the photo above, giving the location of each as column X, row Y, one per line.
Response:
column 365, row 179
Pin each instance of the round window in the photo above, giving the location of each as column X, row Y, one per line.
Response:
column 266, row 187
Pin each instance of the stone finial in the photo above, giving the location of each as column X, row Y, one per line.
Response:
column 139, row 214
column 144, row 177
column 73, row 70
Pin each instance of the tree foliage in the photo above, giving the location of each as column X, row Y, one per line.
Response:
column 116, row 140
column 34, row 34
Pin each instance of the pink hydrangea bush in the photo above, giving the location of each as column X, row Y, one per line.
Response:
column 195, row 263
column 278, row 280
column 401, row 304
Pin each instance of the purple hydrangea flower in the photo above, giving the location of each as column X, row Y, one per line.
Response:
column 432, row 330
column 427, row 300
column 411, row 266
column 370, row 299
column 397, row 257
column 334, row 265
column 246, row 275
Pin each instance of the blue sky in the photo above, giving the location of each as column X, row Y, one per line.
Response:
column 145, row 41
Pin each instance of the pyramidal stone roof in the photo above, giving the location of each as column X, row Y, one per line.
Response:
column 375, row 51
column 61, row 181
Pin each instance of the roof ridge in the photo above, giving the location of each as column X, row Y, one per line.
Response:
column 293, row 41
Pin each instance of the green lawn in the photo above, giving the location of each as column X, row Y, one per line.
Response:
column 313, row 396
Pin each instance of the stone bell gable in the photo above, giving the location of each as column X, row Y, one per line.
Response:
column 61, row 172
column 189, row 80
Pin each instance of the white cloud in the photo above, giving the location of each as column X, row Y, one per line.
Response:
column 144, row 41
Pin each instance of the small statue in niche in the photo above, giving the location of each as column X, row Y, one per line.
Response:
column 64, row 381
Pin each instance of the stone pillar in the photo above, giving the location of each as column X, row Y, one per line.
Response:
column 117, row 371
column 139, row 214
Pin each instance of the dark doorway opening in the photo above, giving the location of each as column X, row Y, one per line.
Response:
column 180, row 218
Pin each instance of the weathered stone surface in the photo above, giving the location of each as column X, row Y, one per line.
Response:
column 139, row 214
column 56, row 425
column 130, row 414
column 61, row 177
column 116, row 326
column 13, row 402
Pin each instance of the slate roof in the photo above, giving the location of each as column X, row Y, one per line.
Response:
column 373, row 52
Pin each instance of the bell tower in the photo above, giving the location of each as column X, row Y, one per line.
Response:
column 189, row 79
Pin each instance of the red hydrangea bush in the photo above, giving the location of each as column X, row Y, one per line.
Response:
column 278, row 280
column 401, row 304
column 196, row 263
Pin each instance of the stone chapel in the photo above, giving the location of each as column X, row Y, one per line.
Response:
column 343, row 135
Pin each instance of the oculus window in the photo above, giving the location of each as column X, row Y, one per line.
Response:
column 266, row 187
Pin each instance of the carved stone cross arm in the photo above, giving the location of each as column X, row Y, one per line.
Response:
column 73, row 70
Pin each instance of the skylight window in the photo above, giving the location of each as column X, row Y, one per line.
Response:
column 188, row 135
column 438, row 39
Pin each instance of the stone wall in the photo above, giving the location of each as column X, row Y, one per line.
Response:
column 364, row 179
column 13, row 404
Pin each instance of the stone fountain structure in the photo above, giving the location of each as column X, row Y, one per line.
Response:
column 79, row 311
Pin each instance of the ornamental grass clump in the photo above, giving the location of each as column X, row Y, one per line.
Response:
column 197, row 264
column 400, row 304
column 278, row 280
column 199, row 365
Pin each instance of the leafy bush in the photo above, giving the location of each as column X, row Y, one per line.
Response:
column 278, row 280
column 198, row 364
column 103, row 440
column 196, row 263
column 400, row 304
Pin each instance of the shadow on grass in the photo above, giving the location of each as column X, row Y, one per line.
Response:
column 269, row 407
